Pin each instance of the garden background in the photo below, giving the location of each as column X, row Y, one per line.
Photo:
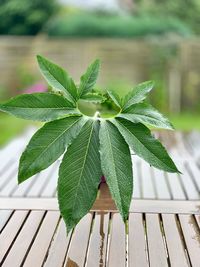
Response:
column 135, row 41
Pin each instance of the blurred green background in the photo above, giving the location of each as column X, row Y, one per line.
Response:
column 136, row 40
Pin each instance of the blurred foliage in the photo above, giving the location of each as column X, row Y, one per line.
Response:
column 186, row 11
column 86, row 24
column 25, row 17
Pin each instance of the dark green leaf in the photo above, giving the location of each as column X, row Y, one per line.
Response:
column 139, row 138
column 57, row 78
column 39, row 107
column 48, row 144
column 115, row 98
column 138, row 94
column 93, row 97
column 116, row 166
column 146, row 114
column 88, row 80
column 79, row 175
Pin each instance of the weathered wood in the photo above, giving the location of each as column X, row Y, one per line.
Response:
column 174, row 241
column 149, row 183
column 191, row 235
column 155, row 241
column 137, row 247
column 98, row 241
column 76, row 255
column 38, row 238
column 58, row 248
column 4, row 217
column 117, row 247
column 42, row 241
column 10, row 232
column 176, row 188
column 151, row 206
column 23, row 241
column 162, row 187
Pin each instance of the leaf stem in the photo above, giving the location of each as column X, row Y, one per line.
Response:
column 96, row 115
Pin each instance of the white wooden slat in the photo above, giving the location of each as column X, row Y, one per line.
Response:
column 136, row 179
column 50, row 186
column 10, row 231
column 4, row 217
column 57, row 251
column 174, row 241
column 117, row 248
column 40, row 182
column 10, row 185
column 5, row 177
column 21, row 245
column 23, row 188
column 175, row 186
column 191, row 235
column 187, row 181
column 147, row 181
column 195, row 173
column 44, row 236
column 155, row 242
column 137, row 247
column 162, row 188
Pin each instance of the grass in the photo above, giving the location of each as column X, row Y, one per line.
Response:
column 185, row 121
column 10, row 127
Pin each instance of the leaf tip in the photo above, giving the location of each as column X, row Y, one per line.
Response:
column 39, row 57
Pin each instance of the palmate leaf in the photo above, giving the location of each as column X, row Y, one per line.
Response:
column 138, row 94
column 146, row 114
column 39, row 107
column 79, row 175
column 94, row 146
column 116, row 166
column 139, row 138
column 48, row 144
column 58, row 78
column 88, row 80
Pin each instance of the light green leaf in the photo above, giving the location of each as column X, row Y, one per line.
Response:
column 79, row 175
column 93, row 97
column 138, row 94
column 88, row 80
column 146, row 114
column 39, row 107
column 139, row 138
column 48, row 144
column 57, row 78
column 116, row 166
column 115, row 98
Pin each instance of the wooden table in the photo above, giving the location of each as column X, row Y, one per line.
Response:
column 149, row 183
column 160, row 233
column 164, row 221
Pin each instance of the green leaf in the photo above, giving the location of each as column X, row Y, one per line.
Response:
column 116, row 166
column 93, row 97
column 88, row 80
column 138, row 94
column 115, row 98
column 139, row 138
column 146, row 114
column 79, row 175
column 57, row 78
column 47, row 145
column 39, row 107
